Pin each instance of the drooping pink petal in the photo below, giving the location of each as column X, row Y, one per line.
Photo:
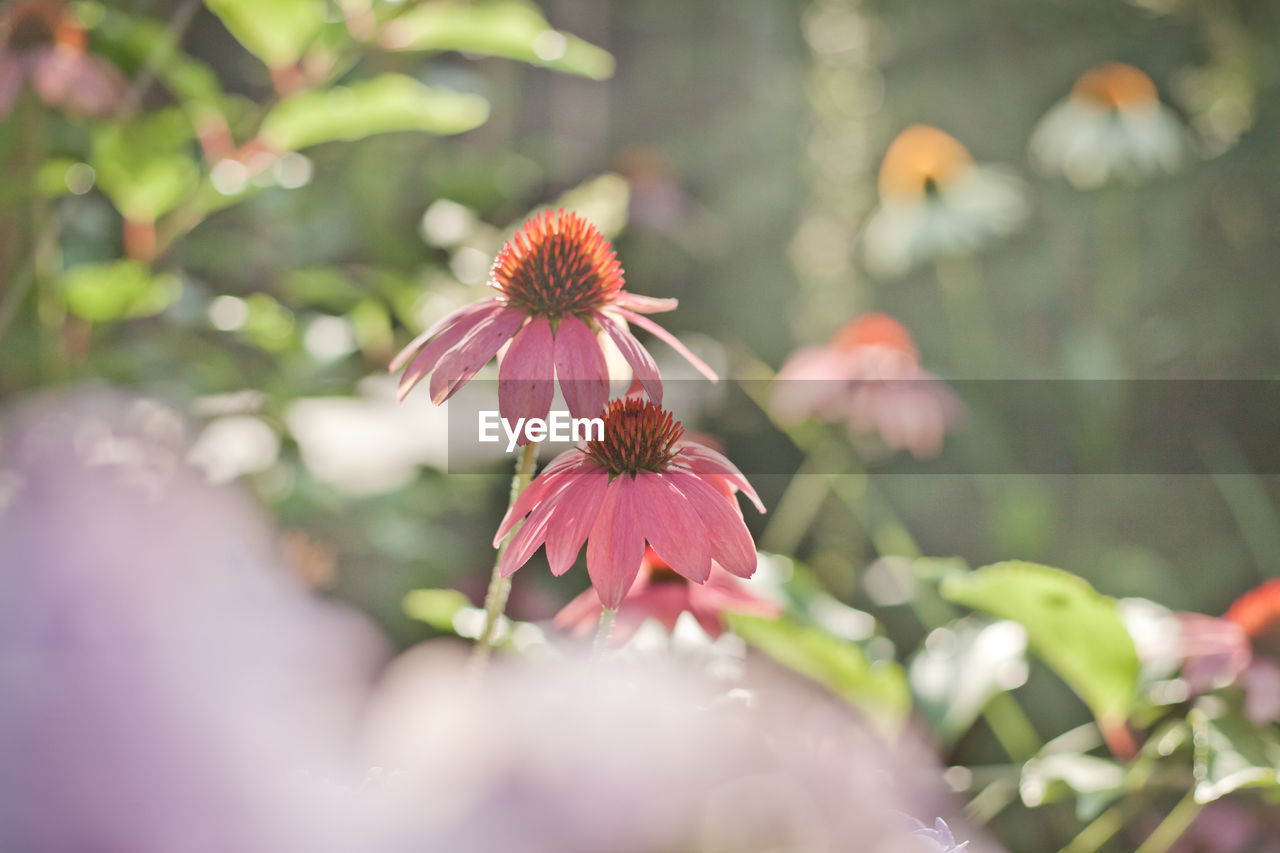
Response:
column 474, row 352
column 699, row 457
column 526, row 380
column 489, row 306
column 637, row 356
column 644, row 304
column 671, row 340
column 550, row 480
column 580, row 365
column 426, row 361
column 672, row 526
column 728, row 539
column 11, row 74
column 579, row 506
column 615, row 545
column 530, row 536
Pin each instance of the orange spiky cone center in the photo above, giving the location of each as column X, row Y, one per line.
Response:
column 921, row 161
column 34, row 24
column 1115, row 85
column 558, row 263
column 638, row 436
column 1257, row 612
column 875, row 329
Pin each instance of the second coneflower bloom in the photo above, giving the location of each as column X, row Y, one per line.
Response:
column 642, row 482
column 1111, row 126
column 559, row 293
column 659, row 593
column 42, row 43
column 935, row 201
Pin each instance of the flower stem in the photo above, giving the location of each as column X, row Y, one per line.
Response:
column 1173, row 826
column 603, row 631
column 495, row 600
column 973, row 351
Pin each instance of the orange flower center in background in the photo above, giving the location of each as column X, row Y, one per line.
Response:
column 659, row 571
column 875, row 330
column 638, row 436
column 1116, row 86
column 921, row 161
column 557, row 264
column 1257, row 612
column 38, row 23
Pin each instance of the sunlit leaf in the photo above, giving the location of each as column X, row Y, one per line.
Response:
column 1094, row 782
column 275, row 31
column 117, row 290
column 436, row 607
column 145, row 165
column 880, row 689
column 1073, row 628
column 513, row 29
column 1230, row 752
column 961, row 666
column 384, row 104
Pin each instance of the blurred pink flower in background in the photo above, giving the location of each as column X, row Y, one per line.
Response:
column 566, row 758
column 661, row 594
column 165, row 684
column 42, row 43
column 560, row 287
column 868, row 376
column 1242, row 647
column 641, row 481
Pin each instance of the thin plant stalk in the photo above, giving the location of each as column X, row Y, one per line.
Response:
column 972, row 337
column 1173, row 826
column 495, row 600
column 603, row 631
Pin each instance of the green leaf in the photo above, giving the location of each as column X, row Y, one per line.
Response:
column 513, row 29
column 117, row 290
column 1074, row 629
column 384, row 104
column 1094, row 782
column 1230, row 752
column 880, row 689
column 436, row 607
column 275, row 31
column 145, row 165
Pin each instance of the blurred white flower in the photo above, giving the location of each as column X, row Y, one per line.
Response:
column 638, row 757
column 935, row 201
column 164, row 685
column 1111, row 127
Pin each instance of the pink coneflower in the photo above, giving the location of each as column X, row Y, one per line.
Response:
column 642, row 481
column 41, row 42
column 1242, row 647
column 560, row 287
column 660, row 593
column 869, row 377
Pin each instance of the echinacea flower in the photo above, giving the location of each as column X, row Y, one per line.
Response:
column 1242, row 647
column 661, row 594
column 1111, row 126
column 869, row 377
column 643, row 481
column 42, row 43
column 935, row 201
column 559, row 289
